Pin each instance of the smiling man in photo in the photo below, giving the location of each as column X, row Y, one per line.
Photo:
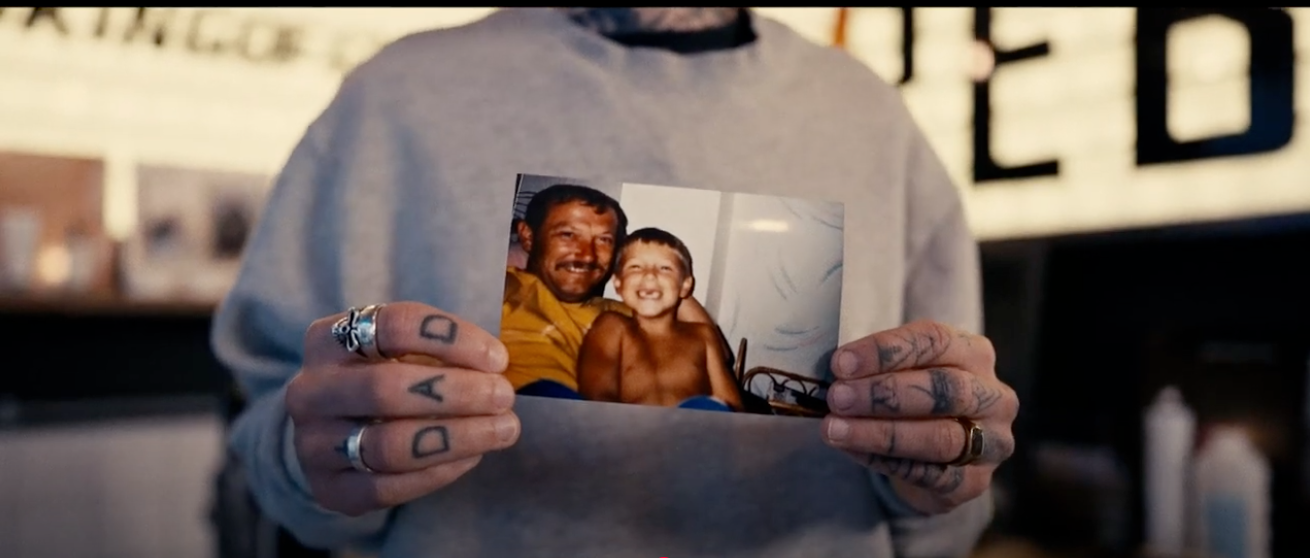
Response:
column 569, row 233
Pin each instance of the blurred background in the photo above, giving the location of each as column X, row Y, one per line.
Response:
column 1134, row 175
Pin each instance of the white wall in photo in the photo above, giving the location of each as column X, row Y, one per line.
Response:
column 689, row 214
column 778, row 280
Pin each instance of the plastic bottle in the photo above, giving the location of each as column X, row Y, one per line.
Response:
column 1232, row 495
column 1170, row 428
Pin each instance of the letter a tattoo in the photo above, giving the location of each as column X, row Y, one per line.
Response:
column 428, row 388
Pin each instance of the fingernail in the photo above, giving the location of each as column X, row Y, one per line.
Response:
column 842, row 396
column 503, row 395
column 838, row 430
column 498, row 357
column 507, row 427
column 847, row 363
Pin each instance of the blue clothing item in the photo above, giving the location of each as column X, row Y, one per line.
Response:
column 402, row 188
column 547, row 388
column 704, row 403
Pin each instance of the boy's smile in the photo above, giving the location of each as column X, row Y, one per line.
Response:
column 650, row 279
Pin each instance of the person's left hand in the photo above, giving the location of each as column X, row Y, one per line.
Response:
column 904, row 403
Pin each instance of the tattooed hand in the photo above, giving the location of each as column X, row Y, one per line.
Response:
column 895, row 406
column 434, row 410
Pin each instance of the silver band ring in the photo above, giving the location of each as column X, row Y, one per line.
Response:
column 357, row 331
column 975, row 442
column 355, row 449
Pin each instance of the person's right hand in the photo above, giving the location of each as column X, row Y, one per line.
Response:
column 433, row 409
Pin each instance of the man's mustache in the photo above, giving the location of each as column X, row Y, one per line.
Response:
column 574, row 264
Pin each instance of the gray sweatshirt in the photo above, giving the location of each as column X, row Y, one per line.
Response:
column 402, row 190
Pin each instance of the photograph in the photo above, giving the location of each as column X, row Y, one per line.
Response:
column 672, row 296
column 192, row 227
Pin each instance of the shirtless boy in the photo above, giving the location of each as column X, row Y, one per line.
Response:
column 651, row 358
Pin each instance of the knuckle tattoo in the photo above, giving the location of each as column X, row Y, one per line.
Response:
column 926, row 475
column 983, row 395
column 951, row 480
column 440, row 328
column 939, row 334
column 945, row 391
column 430, row 441
column 883, row 394
column 431, row 388
column 340, row 449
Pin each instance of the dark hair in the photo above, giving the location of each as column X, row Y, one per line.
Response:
column 660, row 237
column 551, row 196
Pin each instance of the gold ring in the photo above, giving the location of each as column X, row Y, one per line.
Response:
column 975, row 441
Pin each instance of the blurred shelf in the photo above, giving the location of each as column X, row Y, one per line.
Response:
column 16, row 414
column 107, row 306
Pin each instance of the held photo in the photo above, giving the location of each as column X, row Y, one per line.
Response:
column 671, row 296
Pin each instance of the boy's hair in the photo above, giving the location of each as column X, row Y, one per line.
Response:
column 660, row 237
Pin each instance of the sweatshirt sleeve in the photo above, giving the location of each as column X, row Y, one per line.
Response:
column 943, row 283
column 288, row 279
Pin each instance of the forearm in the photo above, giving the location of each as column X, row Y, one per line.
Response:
column 732, row 396
column 727, row 395
column 262, row 440
column 723, row 386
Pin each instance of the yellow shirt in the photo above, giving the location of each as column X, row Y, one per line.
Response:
column 542, row 334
